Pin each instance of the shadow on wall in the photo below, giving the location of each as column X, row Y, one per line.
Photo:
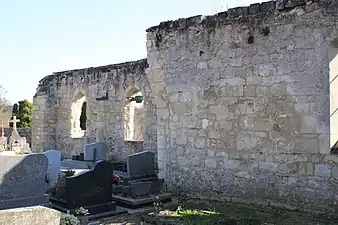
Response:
column 23, row 180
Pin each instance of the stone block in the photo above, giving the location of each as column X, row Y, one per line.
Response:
column 278, row 89
column 267, row 6
column 249, row 91
column 335, row 172
column 200, row 143
column 322, row 170
column 254, row 8
column 36, row 215
column 210, row 163
column 231, row 164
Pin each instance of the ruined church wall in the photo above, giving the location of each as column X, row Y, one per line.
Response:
column 243, row 103
column 105, row 91
column 44, row 116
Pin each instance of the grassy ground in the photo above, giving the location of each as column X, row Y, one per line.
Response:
column 213, row 213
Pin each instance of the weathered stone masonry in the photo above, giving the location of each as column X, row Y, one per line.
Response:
column 242, row 102
column 105, row 91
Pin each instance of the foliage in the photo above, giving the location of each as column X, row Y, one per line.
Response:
column 182, row 202
column 69, row 173
column 23, row 111
column 82, row 211
column 83, row 116
column 157, row 205
column 69, row 219
column 5, row 113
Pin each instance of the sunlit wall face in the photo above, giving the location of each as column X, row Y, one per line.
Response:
column 333, row 55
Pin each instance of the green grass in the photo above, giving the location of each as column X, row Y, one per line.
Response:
column 213, row 213
column 199, row 217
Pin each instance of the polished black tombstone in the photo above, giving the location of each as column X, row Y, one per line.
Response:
column 89, row 189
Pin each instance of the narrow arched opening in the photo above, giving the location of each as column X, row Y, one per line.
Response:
column 134, row 115
column 78, row 119
column 333, row 56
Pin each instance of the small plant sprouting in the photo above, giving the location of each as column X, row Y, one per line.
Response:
column 82, row 211
column 157, row 205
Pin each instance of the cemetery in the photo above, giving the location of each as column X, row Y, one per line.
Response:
column 229, row 120
column 83, row 185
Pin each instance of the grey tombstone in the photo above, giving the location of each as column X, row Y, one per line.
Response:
column 95, row 151
column 3, row 143
column 22, row 180
column 141, row 164
column 54, row 165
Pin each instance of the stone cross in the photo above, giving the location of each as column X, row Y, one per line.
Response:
column 14, row 121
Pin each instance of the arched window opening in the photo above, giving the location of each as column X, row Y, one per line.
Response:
column 333, row 57
column 78, row 116
column 134, row 114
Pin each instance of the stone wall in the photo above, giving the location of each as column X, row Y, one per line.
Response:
column 238, row 105
column 105, row 91
column 24, row 132
column 243, row 103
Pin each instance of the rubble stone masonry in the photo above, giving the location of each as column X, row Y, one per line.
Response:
column 239, row 106
column 105, row 91
column 243, row 102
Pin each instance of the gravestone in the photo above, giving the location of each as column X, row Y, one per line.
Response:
column 17, row 143
column 22, row 180
column 95, row 151
column 140, row 185
column 54, row 165
column 90, row 189
column 34, row 215
column 69, row 164
column 141, row 164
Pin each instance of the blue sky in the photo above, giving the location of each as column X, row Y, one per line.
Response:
column 40, row 37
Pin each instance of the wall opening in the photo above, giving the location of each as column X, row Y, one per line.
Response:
column 78, row 119
column 333, row 56
column 134, row 115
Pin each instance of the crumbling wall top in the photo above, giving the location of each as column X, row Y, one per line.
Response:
column 264, row 9
column 127, row 67
column 45, row 84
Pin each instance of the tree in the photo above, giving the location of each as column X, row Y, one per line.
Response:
column 83, row 116
column 5, row 111
column 23, row 111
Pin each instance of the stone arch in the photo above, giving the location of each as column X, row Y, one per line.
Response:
column 133, row 114
column 78, row 118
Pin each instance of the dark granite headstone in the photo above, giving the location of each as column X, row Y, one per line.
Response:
column 89, row 189
column 22, row 180
column 81, row 157
column 69, row 164
column 93, row 187
column 141, row 164
column 76, row 157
